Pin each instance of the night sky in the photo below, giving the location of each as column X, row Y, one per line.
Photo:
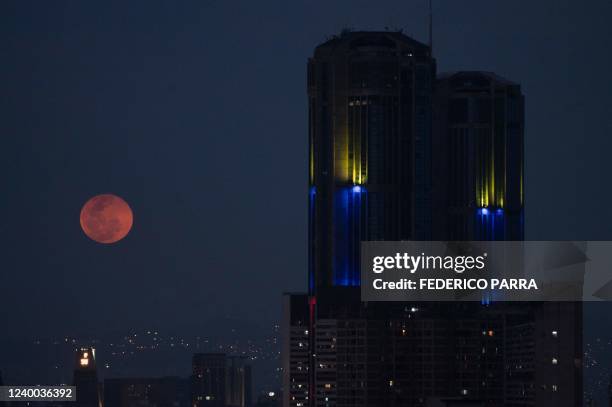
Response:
column 195, row 113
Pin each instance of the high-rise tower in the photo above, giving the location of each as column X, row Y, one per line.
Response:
column 208, row 384
column 238, row 392
column 398, row 154
column 370, row 108
column 478, row 159
column 86, row 378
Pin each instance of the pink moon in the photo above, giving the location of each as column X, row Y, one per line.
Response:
column 106, row 218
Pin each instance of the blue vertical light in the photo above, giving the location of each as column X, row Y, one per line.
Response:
column 490, row 224
column 347, row 239
column 311, row 222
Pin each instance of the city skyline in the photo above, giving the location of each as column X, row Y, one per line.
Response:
column 203, row 134
column 172, row 170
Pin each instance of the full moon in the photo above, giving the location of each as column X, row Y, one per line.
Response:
column 106, row 218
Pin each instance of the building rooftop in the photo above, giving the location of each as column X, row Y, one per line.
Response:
column 372, row 39
column 475, row 75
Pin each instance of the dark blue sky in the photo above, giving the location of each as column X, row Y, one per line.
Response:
column 195, row 113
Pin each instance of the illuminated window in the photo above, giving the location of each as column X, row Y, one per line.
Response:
column 84, row 362
column 554, row 334
column 328, row 385
column 554, row 361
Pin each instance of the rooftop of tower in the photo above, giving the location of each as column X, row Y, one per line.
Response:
column 475, row 75
column 356, row 40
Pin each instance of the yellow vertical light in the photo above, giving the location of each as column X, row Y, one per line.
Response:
column 311, row 163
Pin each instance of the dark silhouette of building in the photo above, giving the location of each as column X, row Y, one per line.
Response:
column 86, row 378
column 220, row 380
column 295, row 325
column 147, row 392
column 370, row 129
column 478, row 165
column 238, row 384
column 208, row 380
column 370, row 108
column 378, row 169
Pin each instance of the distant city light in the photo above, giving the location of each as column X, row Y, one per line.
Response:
column 271, row 394
column 357, row 189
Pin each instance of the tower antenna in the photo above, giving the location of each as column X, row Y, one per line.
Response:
column 430, row 29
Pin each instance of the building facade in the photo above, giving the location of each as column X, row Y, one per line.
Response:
column 208, row 380
column 370, row 108
column 86, row 378
column 220, row 380
column 238, row 387
column 478, row 160
column 147, row 392
column 397, row 153
column 295, row 349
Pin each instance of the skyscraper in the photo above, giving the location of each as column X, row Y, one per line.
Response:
column 370, row 131
column 208, row 380
column 478, row 157
column 479, row 195
column 295, row 349
column 370, row 108
column 238, row 392
column 220, row 380
column 86, row 378
column 396, row 154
